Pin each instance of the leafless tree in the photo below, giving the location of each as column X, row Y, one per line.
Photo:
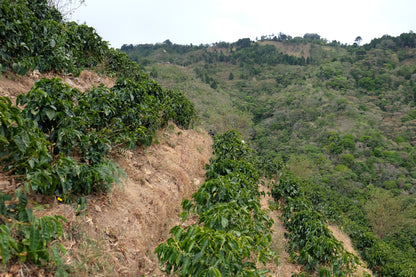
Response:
column 66, row 7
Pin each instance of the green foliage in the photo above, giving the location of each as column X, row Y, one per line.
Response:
column 88, row 47
column 315, row 243
column 270, row 167
column 265, row 54
column 224, row 189
column 48, row 103
column 231, row 146
column 289, row 187
column 338, row 83
column 380, row 256
column 367, row 83
column 384, row 210
column 25, row 237
column 58, row 139
column 410, row 116
column 388, row 213
column 34, row 36
column 310, row 241
column 233, row 234
column 344, row 119
column 201, row 251
column 183, row 110
column 347, row 159
column 59, row 122
column 23, row 147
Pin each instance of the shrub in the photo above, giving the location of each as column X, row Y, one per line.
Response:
column 232, row 231
column 25, row 237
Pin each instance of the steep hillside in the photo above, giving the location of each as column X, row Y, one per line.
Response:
column 286, row 267
column 333, row 126
column 117, row 233
column 342, row 117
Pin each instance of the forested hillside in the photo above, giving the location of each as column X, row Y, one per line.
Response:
column 342, row 118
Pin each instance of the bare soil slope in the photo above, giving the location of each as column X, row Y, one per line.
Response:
column 11, row 85
column 119, row 232
column 346, row 240
column 135, row 218
column 298, row 50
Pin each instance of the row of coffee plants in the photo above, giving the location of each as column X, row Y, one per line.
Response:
column 34, row 36
column 59, row 123
column 311, row 243
column 58, row 143
column 382, row 257
column 233, row 234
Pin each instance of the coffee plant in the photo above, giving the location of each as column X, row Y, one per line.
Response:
column 224, row 189
column 33, row 35
column 380, row 256
column 307, row 200
column 25, row 237
column 230, row 146
column 310, row 241
column 23, row 147
column 59, row 123
column 59, row 142
column 233, row 235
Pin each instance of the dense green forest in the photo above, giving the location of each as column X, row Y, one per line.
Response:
column 340, row 117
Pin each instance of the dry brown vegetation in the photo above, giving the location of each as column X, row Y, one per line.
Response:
column 124, row 227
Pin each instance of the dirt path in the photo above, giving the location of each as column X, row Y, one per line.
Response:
column 346, row 241
column 285, row 267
